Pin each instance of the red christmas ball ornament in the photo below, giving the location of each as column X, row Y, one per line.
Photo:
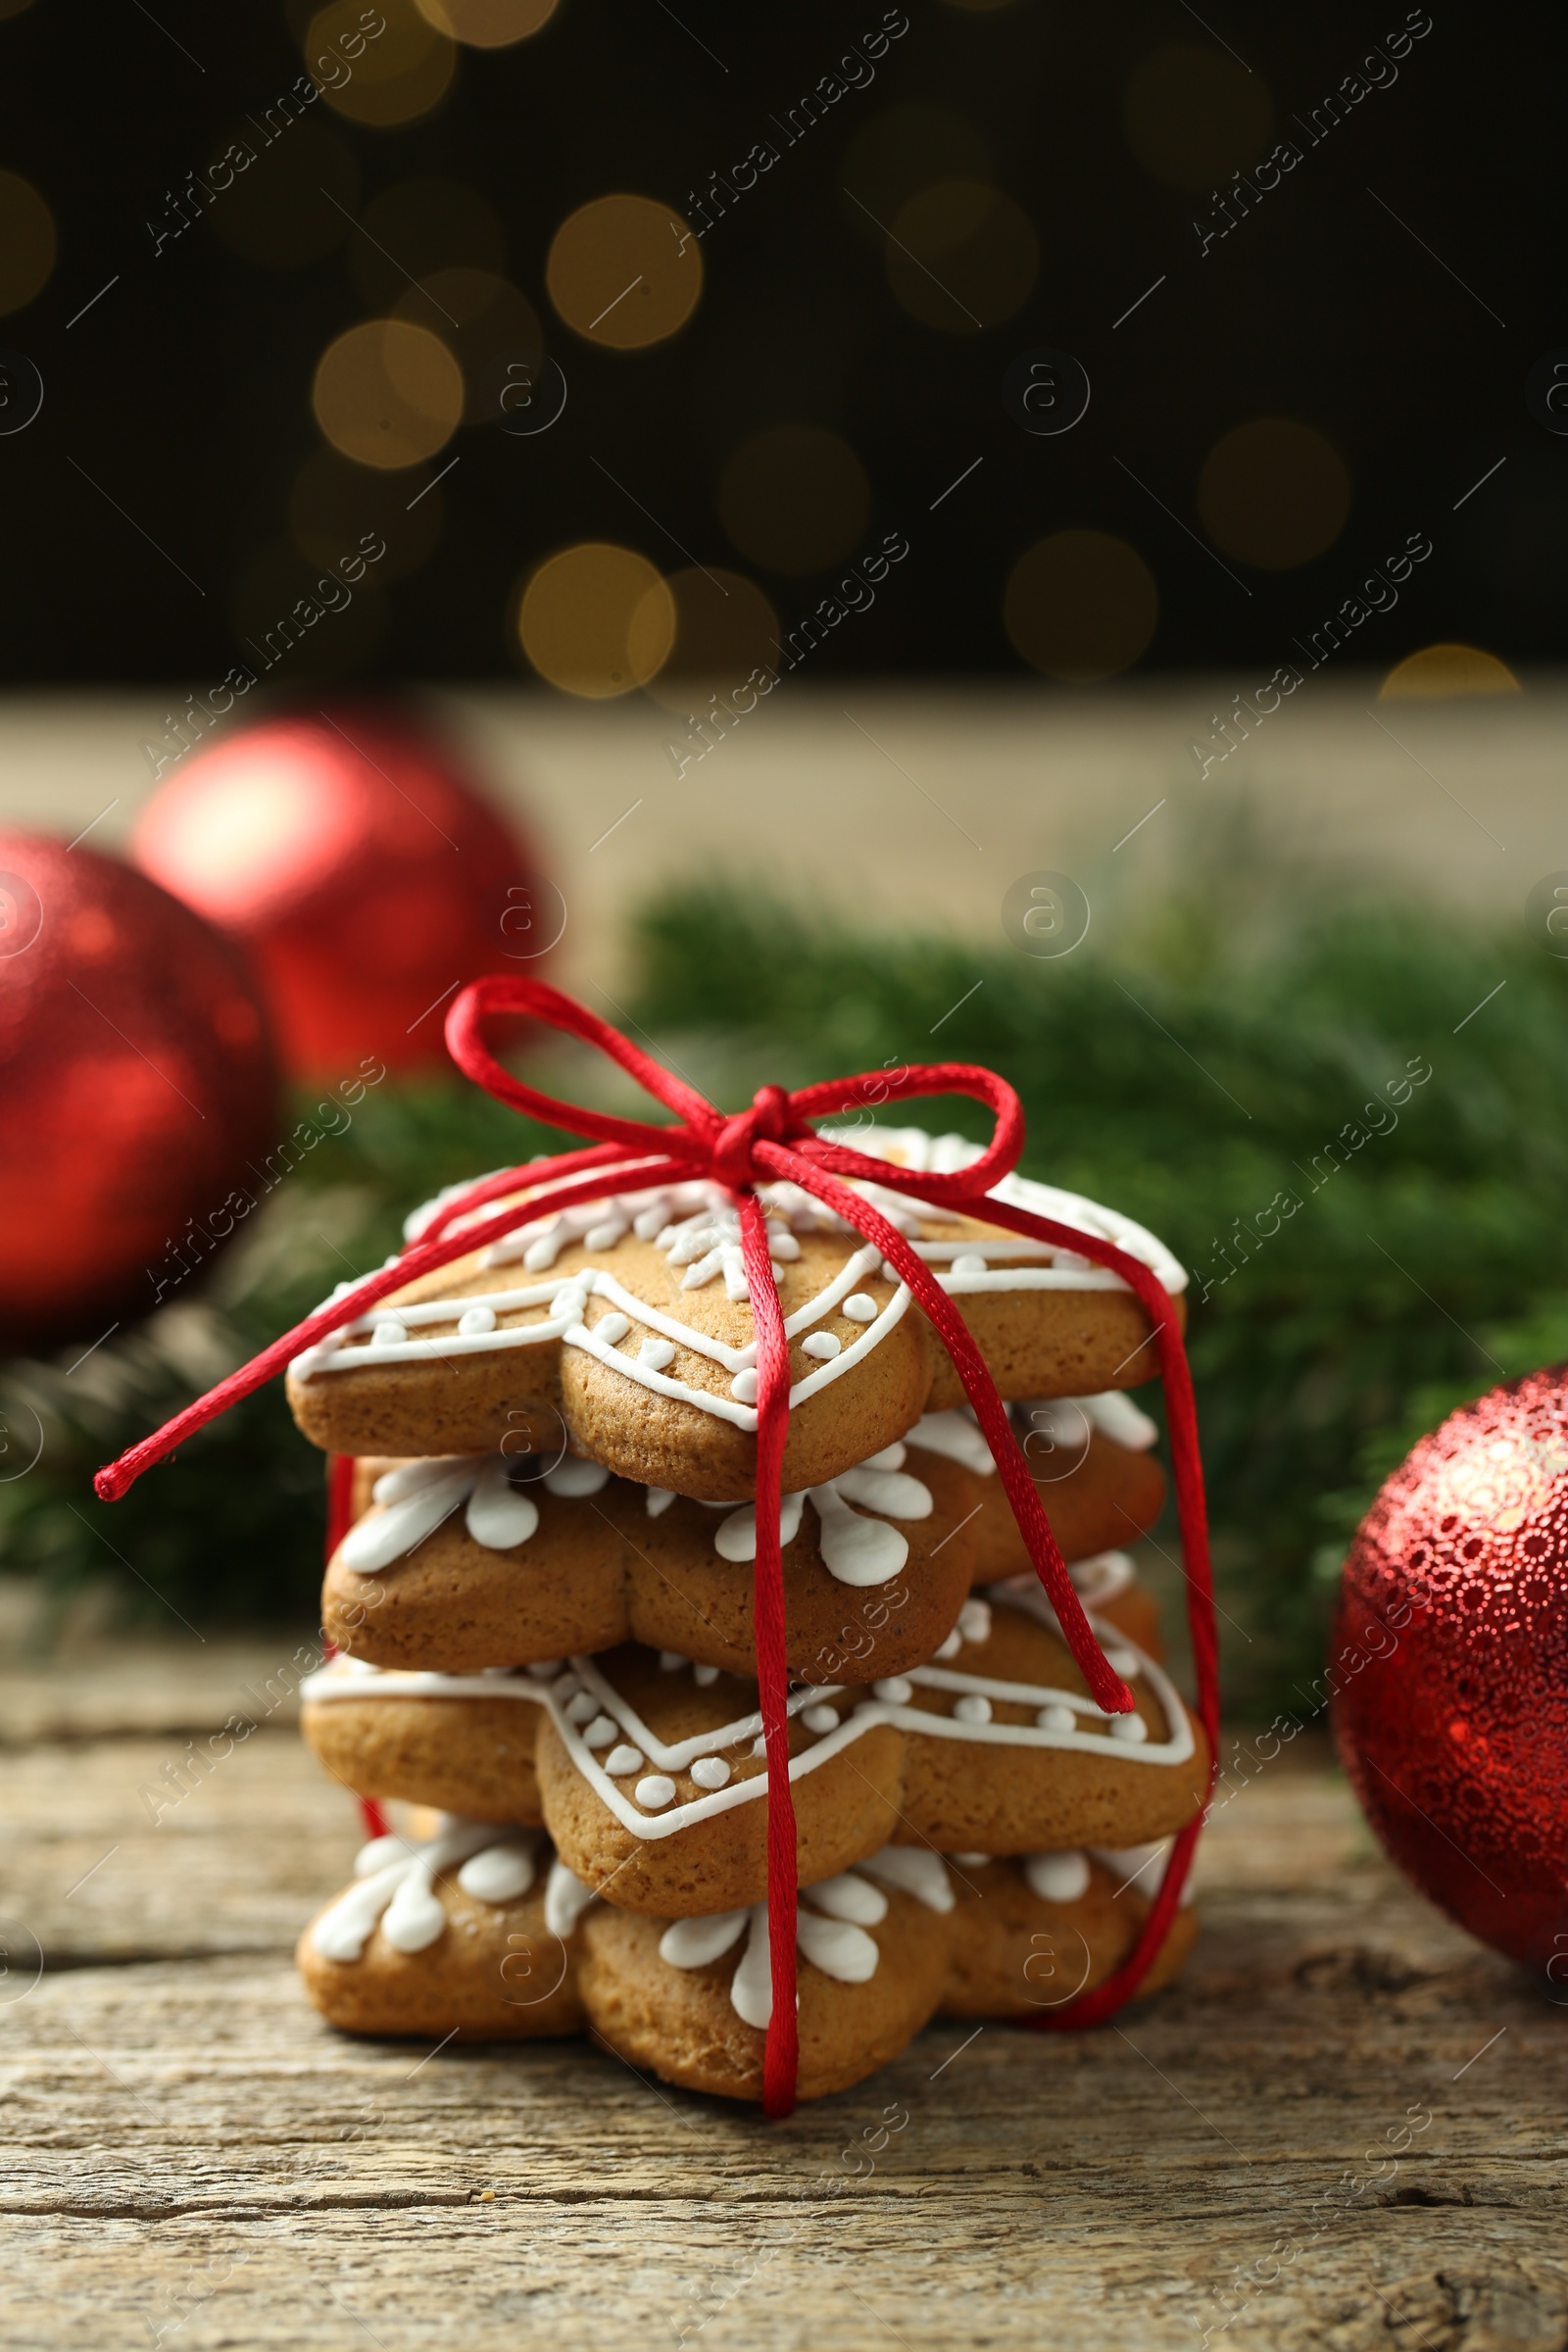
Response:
column 366, row 877
column 1450, row 1668
column 137, row 1080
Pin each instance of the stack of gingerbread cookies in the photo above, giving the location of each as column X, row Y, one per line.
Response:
column 543, row 1619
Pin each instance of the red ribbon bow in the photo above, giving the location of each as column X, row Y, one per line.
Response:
column 770, row 1141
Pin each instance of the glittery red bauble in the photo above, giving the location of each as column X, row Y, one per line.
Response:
column 136, row 1082
column 366, row 879
column 1450, row 1668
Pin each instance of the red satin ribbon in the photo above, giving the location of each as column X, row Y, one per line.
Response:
column 770, row 1141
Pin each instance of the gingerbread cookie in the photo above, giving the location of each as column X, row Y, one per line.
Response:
column 636, row 1335
column 690, row 1999
column 1034, row 1930
column 651, row 1770
column 1049, row 1322
column 1091, row 1461
column 456, row 1935
column 456, row 1569
column 649, row 1773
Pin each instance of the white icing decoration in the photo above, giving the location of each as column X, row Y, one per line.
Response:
column 821, row 1718
column 744, row 1385
column 1057, row 1878
column 566, row 1898
column 573, row 1480
column 697, row 1226
column 957, row 1435
column 612, row 1328
column 394, row 1883
column 1135, row 1862
column 1114, row 1414
column 601, row 1733
column 500, row 1874
column 672, row 1660
column 655, row 1354
column 374, row 1542
column 896, row 1690
column 848, row 1897
column 657, row 1500
column 1100, row 1577
column 497, row 1517
column 974, row 1621
column 624, row 1760
column 1130, row 1729
column 1075, row 1722
column 830, row 1929
column 856, row 1550
column 914, row 1870
column 711, row 1772
column 821, row 1343
column 970, row 1861
column 976, row 1707
column 694, row 1942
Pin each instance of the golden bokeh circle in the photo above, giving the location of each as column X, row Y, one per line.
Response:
column 1081, row 606
column 284, row 209
column 334, row 503
column 1274, row 493
column 388, row 393
column 393, row 78
column 488, row 23
column 596, row 620
column 624, row 272
column 795, row 499
column 1439, row 671
column 480, row 319
column 27, row 242
column 961, row 257
column 1192, row 116
column 903, row 148
column 725, row 629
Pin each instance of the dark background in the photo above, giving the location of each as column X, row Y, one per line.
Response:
column 185, row 390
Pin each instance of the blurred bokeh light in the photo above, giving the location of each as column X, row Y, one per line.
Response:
column 387, row 393
column 725, row 629
column 394, row 79
column 27, row 242
column 795, row 499
column 1081, row 606
column 961, row 256
column 596, row 620
column 488, row 23
column 1274, row 493
column 1192, row 115
column 1438, row 672
column 624, row 270
column 333, row 502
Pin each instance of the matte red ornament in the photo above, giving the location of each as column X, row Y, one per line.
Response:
column 137, row 1083
column 364, row 875
column 1450, row 1668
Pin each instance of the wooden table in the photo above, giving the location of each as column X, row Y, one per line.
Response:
column 192, row 2159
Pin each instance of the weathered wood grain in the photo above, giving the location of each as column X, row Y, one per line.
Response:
column 192, row 2159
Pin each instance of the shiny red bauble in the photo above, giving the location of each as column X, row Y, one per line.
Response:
column 137, row 1081
column 366, row 877
column 1450, row 1667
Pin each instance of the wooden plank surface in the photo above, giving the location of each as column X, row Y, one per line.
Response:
column 192, row 2159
